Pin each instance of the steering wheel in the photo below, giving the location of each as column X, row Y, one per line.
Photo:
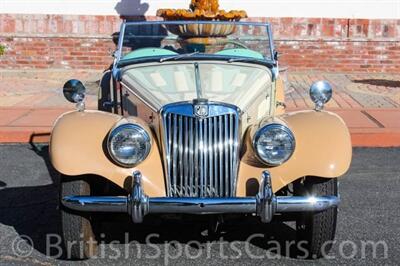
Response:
column 237, row 44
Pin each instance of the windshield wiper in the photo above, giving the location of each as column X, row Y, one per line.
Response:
column 232, row 60
column 177, row 57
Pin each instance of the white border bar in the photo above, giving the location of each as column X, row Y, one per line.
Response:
column 369, row 9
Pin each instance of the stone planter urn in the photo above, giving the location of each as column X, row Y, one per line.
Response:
column 206, row 38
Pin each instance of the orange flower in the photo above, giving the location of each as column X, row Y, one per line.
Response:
column 202, row 9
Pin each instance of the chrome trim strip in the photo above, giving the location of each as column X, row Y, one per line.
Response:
column 199, row 89
column 185, row 108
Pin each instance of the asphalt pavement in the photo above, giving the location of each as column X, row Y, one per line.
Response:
column 368, row 231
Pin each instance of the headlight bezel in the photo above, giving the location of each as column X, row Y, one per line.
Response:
column 260, row 131
column 119, row 128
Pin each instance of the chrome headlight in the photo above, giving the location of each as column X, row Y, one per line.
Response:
column 274, row 144
column 129, row 144
column 320, row 93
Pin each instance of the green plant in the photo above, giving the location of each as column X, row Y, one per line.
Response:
column 2, row 49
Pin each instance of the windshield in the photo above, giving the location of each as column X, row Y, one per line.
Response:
column 234, row 83
column 177, row 40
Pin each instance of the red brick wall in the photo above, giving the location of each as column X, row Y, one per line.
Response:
column 340, row 45
column 73, row 41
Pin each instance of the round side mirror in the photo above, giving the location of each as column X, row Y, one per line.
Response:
column 320, row 93
column 74, row 91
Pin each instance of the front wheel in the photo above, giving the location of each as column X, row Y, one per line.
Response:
column 316, row 230
column 104, row 97
column 77, row 228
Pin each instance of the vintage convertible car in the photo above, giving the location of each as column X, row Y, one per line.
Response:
column 190, row 123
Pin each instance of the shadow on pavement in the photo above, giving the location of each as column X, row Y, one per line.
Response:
column 242, row 230
column 33, row 212
column 379, row 82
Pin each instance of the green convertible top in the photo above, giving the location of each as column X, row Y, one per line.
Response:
column 147, row 52
column 241, row 52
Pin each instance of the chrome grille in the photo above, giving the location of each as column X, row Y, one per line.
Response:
column 201, row 154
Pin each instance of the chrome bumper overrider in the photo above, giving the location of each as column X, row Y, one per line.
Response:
column 138, row 205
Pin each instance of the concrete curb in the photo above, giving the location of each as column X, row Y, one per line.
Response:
column 376, row 139
column 24, row 136
column 368, row 127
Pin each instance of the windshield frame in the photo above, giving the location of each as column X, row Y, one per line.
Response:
column 118, row 52
column 141, row 91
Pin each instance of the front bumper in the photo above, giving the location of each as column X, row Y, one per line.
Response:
column 138, row 205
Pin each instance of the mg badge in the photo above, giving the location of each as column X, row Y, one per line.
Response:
column 201, row 110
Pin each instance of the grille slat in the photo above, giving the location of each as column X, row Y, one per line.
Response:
column 201, row 154
column 180, row 147
column 226, row 154
column 216, row 154
column 196, row 158
column 170, row 147
column 191, row 150
column 221, row 157
column 174, row 152
column 210, row 157
column 232, row 133
column 186, row 158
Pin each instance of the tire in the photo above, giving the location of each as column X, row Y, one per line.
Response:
column 104, row 97
column 77, row 228
column 315, row 231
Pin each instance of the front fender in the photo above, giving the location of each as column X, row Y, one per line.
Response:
column 77, row 147
column 323, row 148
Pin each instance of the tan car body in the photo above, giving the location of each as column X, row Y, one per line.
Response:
column 323, row 148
